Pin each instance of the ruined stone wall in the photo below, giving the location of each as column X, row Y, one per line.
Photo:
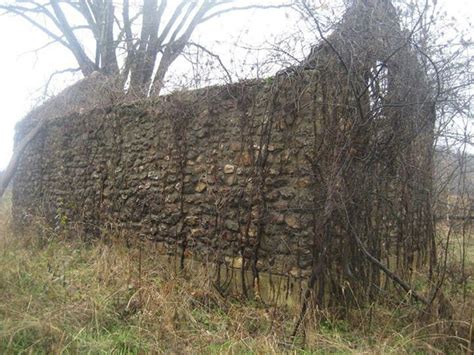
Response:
column 219, row 172
column 316, row 172
column 278, row 176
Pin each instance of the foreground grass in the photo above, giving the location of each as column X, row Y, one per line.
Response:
column 69, row 296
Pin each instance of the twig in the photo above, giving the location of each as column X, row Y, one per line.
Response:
column 58, row 72
column 204, row 49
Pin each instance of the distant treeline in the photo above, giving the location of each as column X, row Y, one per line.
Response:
column 454, row 172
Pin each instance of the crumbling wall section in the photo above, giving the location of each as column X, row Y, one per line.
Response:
column 289, row 175
column 220, row 172
column 322, row 172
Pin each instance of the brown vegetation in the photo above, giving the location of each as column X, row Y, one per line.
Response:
column 65, row 295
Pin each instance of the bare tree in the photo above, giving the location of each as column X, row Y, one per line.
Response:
column 135, row 41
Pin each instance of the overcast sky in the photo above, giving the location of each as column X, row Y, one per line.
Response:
column 23, row 71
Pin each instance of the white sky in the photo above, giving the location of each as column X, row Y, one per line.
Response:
column 23, row 73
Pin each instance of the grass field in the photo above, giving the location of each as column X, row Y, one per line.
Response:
column 68, row 296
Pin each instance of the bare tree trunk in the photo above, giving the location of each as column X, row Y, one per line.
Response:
column 109, row 63
column 149, row 30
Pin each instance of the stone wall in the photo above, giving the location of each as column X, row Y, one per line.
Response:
column 207, row 172
column 265, row 176
column 304, row 174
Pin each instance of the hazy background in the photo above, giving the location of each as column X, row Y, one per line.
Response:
column 24, row 70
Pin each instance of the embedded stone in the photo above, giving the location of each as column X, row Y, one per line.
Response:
column 271, row 148
column 252, row 232
column 278, row 183
column 211, row 169
column 197, row 232
column 232, row 225
column 245, row 159
column 202, row 133
column 281, row 205
column 147, row 185
column 200, row 187
column 303, row 182
column 277, row 218
column 191, row 155
column 153, row 175
column 272, row 196
column 292, row 221
column 235, row 146
column 172, row 198
column 285, row 155
column 230, row 180
column 229, row 169
column 191, row 220
column 198, row 169
column 162, row 228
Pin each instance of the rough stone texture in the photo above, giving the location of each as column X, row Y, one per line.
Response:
column 217, row 173
column 185, row 170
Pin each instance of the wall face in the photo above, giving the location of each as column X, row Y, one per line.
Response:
column 271, row 176
column 207, row 174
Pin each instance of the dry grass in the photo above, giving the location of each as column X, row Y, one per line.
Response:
column 69, row 296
